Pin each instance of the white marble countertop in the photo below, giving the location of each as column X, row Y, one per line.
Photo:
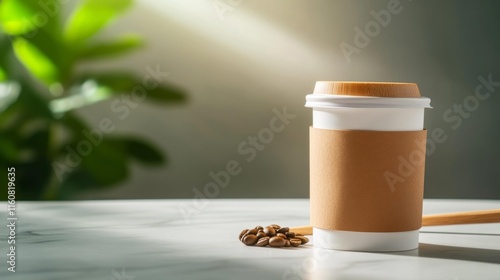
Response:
column 189, row 239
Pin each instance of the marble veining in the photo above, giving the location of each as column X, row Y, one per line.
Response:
column 156, row 239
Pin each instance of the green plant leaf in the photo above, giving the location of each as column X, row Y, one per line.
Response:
column 8, row 149
column 77, row 181
column 52, row 48
column 100, row 159
column 38, row 23
column 3, row 75
column 39, row 65
column 140, row 150
column 74, row 124
column 118, row 82
column 5, row 57
column 9, row 92
column 31, row 102
column 5, row 54
column 32, row 177
column 91, row 16
column 105, row 163
column 22, row 17
column 107, row 49
column 16, row 17
column 82, row 95
column 167, row 93
column 124, row 82
column 38, row 141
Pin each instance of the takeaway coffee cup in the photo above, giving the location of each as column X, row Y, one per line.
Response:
column 367, row 158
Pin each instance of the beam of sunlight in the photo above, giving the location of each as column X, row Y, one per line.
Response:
column 241, row 32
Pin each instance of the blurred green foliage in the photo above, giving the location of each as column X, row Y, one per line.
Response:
column 41, row 86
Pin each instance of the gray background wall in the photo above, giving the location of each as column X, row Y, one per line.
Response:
column 268, row 54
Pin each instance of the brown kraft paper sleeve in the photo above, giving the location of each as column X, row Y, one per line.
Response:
column 368, row 181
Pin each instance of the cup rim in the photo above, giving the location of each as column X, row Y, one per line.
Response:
column 350, row 101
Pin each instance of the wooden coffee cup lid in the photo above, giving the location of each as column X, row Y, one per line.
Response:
column 375, row 89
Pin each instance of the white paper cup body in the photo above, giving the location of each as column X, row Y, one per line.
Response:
column 366, row 113
column 381, row 119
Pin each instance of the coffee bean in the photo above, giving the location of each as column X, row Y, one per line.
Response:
column 275, row 226
column 295, row 242
column 259, row 228
column 261, row 234
column 283, row 230
column 281, row 235
column 243, row 232
column 250, row 239
column 270, row 231
column 290, row 234
column 252, row 231
column 303, row 239
column 299, row 234
column 263, row 242
column 287, row 243
column 276, row 242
